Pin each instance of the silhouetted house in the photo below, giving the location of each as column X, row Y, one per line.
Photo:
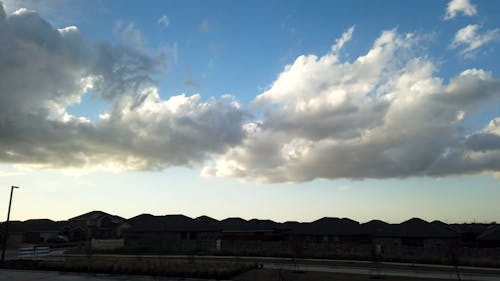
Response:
column 207, row 219
column 14, row 238
column 415, row 233
column 328, row 237
column 257, row 237
column 35, row 231
column 490, row 238
column 375, row 227
column 331, row 230
column 469, row 232
column 95, row 224
column 439, row 223
column 77, row 231
column 169, row 233
column 233, row 224
column 254, row 229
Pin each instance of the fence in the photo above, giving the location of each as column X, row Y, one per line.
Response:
column 33, row 252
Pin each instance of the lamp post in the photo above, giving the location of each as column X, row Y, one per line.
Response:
column 4, row 244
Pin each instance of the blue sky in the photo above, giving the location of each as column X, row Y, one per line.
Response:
column 288, row 110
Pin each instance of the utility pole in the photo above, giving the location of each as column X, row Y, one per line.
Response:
column 6, row 232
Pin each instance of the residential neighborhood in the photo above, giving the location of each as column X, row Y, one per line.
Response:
column 328, row 237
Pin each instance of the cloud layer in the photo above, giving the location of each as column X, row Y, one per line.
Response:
column 384, row 114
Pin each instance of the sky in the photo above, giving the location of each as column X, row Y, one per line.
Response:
column 283, row 110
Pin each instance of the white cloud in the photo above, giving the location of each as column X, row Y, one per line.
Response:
column 164, row 21
column 383, row 115
column 456, row 7
column 12, row 5
column 346, row 37
column 206, row 25
column 470, row 39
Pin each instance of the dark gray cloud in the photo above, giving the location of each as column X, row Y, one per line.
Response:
column 483, row 142
column 44, row 70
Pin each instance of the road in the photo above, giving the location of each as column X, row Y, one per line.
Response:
column 387, row 271
column 34, row 275
column 333, row 266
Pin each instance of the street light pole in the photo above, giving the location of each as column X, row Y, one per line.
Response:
column 4, row 244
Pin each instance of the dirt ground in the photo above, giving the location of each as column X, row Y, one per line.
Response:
column 283, row 275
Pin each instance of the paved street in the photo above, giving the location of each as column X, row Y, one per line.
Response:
column 385, row 271
column 29, row 275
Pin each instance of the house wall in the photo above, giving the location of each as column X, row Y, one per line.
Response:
column 257, row 247
column 438, row 243
column 428, row 243
column 14, row 240
column 38, row 237
column 32, row 237
column 107, row 244
column 388, row 242
column 170, row 241
column 156, row 241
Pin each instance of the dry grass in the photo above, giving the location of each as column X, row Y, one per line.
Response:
column 142, row 266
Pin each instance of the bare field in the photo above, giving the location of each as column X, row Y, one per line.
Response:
column 184, row 268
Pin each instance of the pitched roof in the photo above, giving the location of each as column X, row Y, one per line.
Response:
column 206, row 219
column 174, row 223
column 375, row 227
column 470, row 228
column 492, row 233
column 145, row 222
column 180, row 222
column 94, row 215
column 440, row 223
column 259, row 225
column 329, row 226
column 36, row 225
column 234, row 224
column 417, row 228
column 288, row 225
